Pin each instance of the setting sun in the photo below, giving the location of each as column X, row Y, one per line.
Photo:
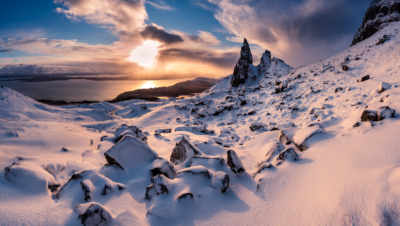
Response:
column 145, row 54
column 148, row 85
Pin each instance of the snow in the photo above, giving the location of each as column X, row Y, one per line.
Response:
column 346, row 176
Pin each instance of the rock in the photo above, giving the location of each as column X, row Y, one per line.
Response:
column 276, row 147
column 265, row 62
column 200, row 129
column 194, row 170
column 380, row 14
column 231, row 121
column 338, row 89
column 241, row 71
column 93, row 214
column 262, row 167
column 220, row 181
column 160, row 185
column 382, row 40
column 345, row 68
column 385, row 112
column 234, row 162
column 134, row 131
column 365, row 78
column 289, row 154
column 303, row 135
column 159, row 131
column 216, row 163
column 29, row 176
column 130, row 152
column 383, row 86
column 286, row 135
column 183, row 152
column 88, row 184
column 357, row 124
column 185, row 195
column 369, row 115
column 162, row 166
column 258, row 126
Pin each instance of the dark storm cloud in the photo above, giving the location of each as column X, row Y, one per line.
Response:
column 157, row 33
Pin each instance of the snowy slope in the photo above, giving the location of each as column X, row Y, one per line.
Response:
column 287, row 148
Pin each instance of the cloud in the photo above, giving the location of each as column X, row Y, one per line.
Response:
column 5, row 50
column 291, row 28
column 205, row 37
column 160, row 5
column 22, row 69
column 155, row 32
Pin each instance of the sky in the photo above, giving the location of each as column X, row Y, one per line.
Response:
column 162, row 39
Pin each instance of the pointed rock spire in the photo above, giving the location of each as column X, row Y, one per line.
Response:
column 265, row 62
column 379, row 14
column 240, row 73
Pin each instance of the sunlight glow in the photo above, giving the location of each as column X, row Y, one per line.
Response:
column 144, row 55
column 148, row 85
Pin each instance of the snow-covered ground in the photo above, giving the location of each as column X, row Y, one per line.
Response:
column 289, row 147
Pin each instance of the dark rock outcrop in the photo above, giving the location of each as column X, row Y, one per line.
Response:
column 289, row 154
column 364, row 78
column 162, row 166
column 385, row 112
column 93, row 214
column 183, row 152
column 241, row 71
column 234, row 162
column 159, row 185
column 379, row 14
column 220, row 181
column 369, row 115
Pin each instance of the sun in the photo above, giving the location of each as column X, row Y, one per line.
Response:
column 148, row 85
column 145, row 54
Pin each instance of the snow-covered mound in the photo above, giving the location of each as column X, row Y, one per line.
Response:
column 315, row 145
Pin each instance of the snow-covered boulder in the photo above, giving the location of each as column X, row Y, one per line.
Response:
column 303, row 135
column 93, row 214
column 275, row 147
column 194, row 170
column 383, row 86
column 286, row 135
column 258, row 126
column 199, row 128
column 369, row 115
column 364, row 78
column 87, row 185
column 159, row 185
column 220, row 181
column 289, row 154
column 385, row 112
column 211, row 162
column 183, row 152
column 130, row 152
column 234, row 162
column 126, row 130
column 28, row 176
column 162, row 166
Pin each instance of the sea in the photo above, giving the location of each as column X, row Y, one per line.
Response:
column 82, row 89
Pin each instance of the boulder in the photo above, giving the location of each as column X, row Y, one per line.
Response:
column 159, row 131
column 383, row 39
column 159, row 185
column 130, row 152
column 275, row 147
column 369, row 115
column 199, row 128
column 93, row 214
column 303, row 135
column 234, row 162
column 345, row 68
column 194, row 170
column 34, row 179
column 258, row 126
column 289, row 154
column 262, row 167
column 385, row 112
column 365, row 78
column 220, row 181
column 183, row 152
column 126, row 130
column 162, row 166
column 286, row 135
column 338, row 89
column 383, row 86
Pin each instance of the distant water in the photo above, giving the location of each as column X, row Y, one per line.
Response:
column 81, row 89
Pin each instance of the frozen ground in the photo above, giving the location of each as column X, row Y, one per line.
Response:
column 289, row 147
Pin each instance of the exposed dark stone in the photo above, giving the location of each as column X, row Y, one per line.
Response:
column 162, row 166
column 86, row 189
column 369, row 115
column 53, row 187
column 159, row 131
column 384, row 112
column 240, row 73
column 234, row 162
column 338, row 89
column 383, row 39
column 365, row 78
column 184, row 195
column 195, row 170
column 183, row 151
column 220, row 181
column 104, row 191
column 263, row 167
column 357, row 124
column 288, row 154
column 345, row 68
column 257, row 125
column 93, row 214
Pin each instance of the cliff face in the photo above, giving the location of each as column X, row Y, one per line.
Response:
column 241, row 71
column 379, row 14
